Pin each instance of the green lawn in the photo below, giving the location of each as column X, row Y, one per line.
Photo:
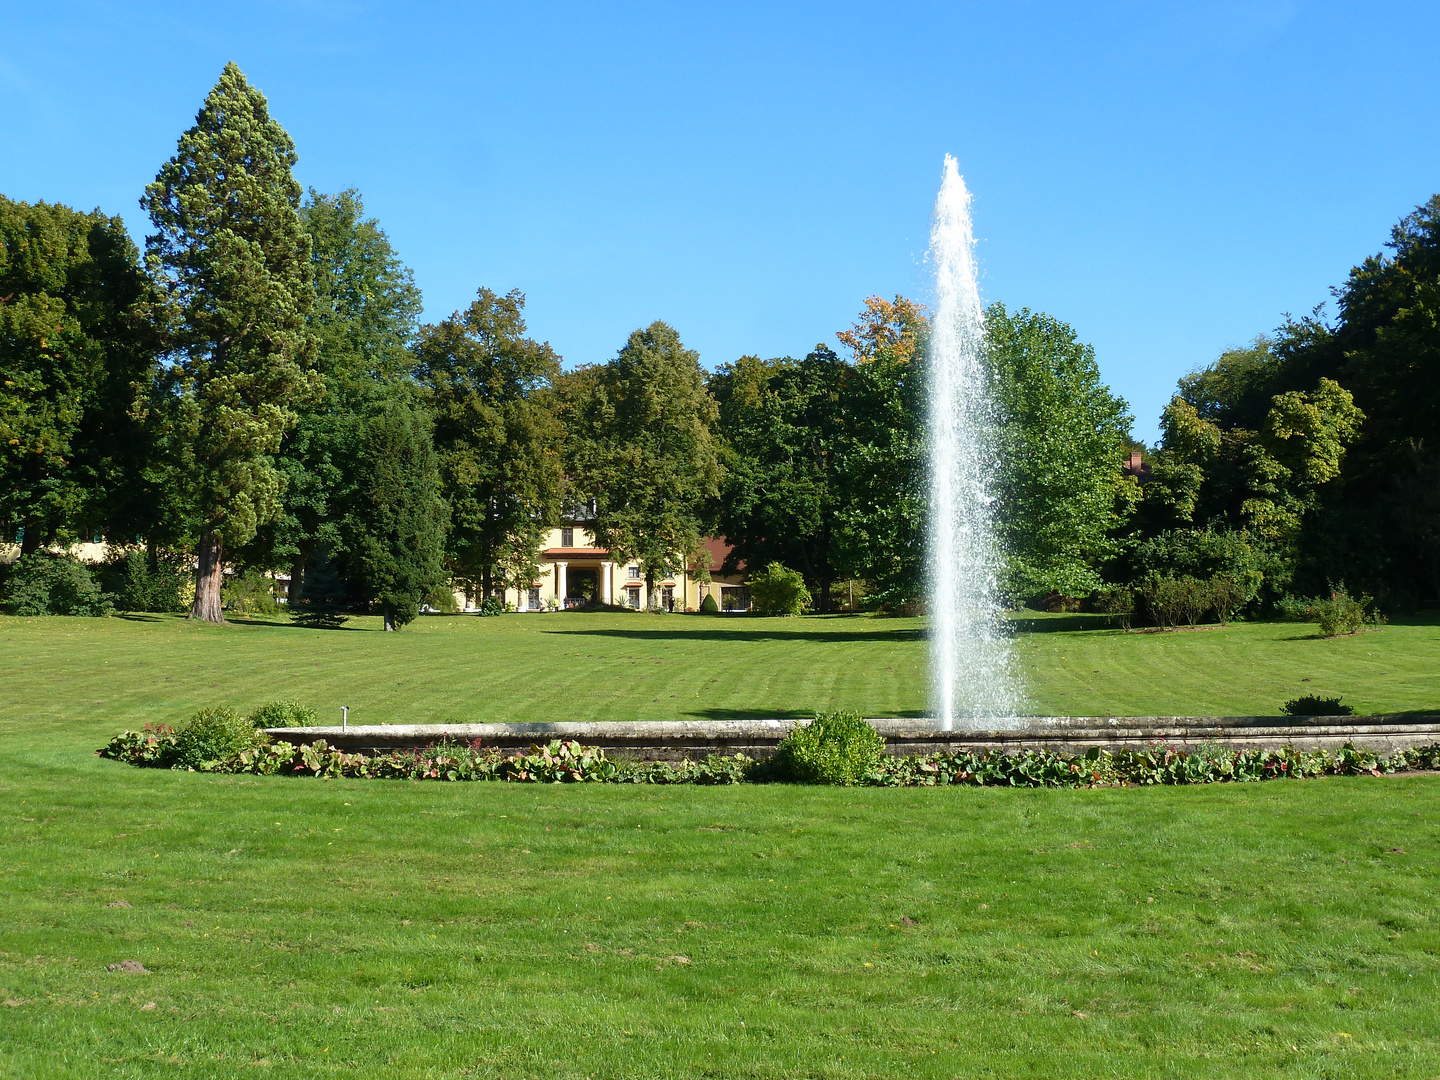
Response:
column 396, row 929
column 99, row 675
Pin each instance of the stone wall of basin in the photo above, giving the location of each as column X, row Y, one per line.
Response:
column 673, row 740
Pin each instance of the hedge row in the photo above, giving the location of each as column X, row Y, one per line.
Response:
column 562, row 762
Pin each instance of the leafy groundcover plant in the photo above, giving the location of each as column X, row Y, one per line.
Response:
column 569, row 762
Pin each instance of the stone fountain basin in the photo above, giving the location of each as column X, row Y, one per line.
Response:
column 673, row 740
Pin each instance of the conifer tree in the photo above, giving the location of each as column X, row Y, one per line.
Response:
column 321, row 601
column 233, row 261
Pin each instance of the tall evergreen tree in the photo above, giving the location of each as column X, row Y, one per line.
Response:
column 233, row 261
column 496, row 432
column 364, row 319
column 644, row 450
column 396, row 530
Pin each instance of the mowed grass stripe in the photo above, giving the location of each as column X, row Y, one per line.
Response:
column 422, row 929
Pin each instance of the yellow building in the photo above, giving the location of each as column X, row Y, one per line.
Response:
column 574, row 571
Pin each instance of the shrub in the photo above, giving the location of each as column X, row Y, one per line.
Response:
column 778, row 590
column 494, row 606
column 1341, row 613
column 42, row 583
column 275, row 714
column 708, row 606
column 1205, row 554
column 144, row 582
column 1117, row 601
column 250, row 593
column 834, row 748
column 441, row 598
column 1171, row 600
column 214, row 735
column 1314, row 705
column 1226, row 594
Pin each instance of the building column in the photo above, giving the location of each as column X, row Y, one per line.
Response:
column 605, row 568
column 562, row 584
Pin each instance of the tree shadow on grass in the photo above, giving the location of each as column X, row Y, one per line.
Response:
column 686, row 634
column 1061, row 624
column 788, row 714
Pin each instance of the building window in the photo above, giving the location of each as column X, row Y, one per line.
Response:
column 534, row 598
column 632, row 598
column 633, row 572
column 567, row 537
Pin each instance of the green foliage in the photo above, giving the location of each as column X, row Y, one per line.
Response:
column 1205, row 554
column 250, row 593
column 834, row 748
column 778, row 590
column 75, row 349
column 783, row 425
column 493, row 605
column 641, row 447
column 1314, row 705
column 214, row 735
column 397, row 529
column 1061, row 441
column 232, row 260
column 568, row 762
column 442, row 599
column 1117, row 601
column 1340, row 613
column 47, row 584
column 708, row 606
column 142, row 581
column 1175, row 600
column 363, row 319
column 497, row 436
column 280, row 714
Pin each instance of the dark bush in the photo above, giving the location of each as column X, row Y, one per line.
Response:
column 1314, row 705
column 144, row 582
column 493, row 605
column 834, row 748
column 708, row 606
column 46, row 584
column 214, row 735
column 275, row 714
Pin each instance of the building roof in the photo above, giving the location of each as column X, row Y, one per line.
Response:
column 719, row 551
column 576, row 552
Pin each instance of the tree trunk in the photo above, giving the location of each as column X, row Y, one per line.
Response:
column 297, row 582
column 485, row 583
column 209, row 577
column 649, row 589
column 30, row 537
column 825, row 595
column 389, row 617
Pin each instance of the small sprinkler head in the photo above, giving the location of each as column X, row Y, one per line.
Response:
column 344, row 717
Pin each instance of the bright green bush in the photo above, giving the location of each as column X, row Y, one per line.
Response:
column 275, row 714
column 778, row 590
column 1340, row 613
column 250, row 593
column 834, row 748
column 46, row 584
column 708, row 606
column 442, row 599
column 213, row 735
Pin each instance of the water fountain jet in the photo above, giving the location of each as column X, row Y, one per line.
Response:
column 969, row 657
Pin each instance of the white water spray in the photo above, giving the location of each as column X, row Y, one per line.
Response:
column 969, row 659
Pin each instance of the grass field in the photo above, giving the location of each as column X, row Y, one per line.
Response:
column 99, row 675
column 302, row 928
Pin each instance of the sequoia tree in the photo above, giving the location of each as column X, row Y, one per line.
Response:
column 233, row 261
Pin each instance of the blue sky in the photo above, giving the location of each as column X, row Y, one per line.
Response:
column 1167, row 178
